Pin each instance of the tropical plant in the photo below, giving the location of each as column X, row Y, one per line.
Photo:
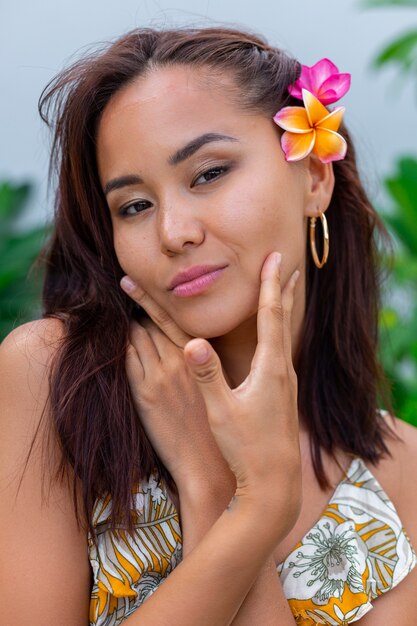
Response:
column 401, row 52
column 19, row 287
column 398, row 323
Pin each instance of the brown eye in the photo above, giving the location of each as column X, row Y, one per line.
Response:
column 212, row 174
column 134, row 208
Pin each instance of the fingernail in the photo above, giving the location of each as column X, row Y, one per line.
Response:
column 127, row 284
column 296, row 275
column 277, row 259
column 200, row 353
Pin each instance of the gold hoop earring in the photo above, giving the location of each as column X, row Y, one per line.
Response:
column 313, row 240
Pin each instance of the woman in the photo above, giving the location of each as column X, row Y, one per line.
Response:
column 169, row 443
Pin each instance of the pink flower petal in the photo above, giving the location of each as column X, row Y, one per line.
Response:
column 305, row 78
column 320, row 72
column 334, row 88
column 297, row 146
column 295, row 89
column 323, row 80
column 294, row 119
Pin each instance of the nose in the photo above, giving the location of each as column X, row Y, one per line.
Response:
column 179, row 226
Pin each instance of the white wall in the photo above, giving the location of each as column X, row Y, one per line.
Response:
column 38, row 38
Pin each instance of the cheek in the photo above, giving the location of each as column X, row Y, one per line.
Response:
column 272, row 218
column 133, row 254
column 263, row 214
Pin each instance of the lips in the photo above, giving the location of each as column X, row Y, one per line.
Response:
column 193, row 272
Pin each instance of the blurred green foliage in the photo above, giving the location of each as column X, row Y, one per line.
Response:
column 398, row 320
column 19, row 288
column 401, row 52
column 390, row 3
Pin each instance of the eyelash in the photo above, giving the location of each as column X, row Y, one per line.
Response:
column 221, row 168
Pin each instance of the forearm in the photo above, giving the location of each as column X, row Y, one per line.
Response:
column 210, row 584
column 265, row 602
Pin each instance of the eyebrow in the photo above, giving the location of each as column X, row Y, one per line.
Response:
column 180, row 155
column 196, row 144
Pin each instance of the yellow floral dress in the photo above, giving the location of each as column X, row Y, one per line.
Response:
column 356, row 551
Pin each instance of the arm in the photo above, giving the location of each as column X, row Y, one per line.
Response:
column 44, row 568
column 265, row 602
column 210, row 584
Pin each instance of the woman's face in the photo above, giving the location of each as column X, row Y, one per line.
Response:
column 205, row 183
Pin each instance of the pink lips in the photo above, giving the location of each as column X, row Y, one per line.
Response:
column 197, row 284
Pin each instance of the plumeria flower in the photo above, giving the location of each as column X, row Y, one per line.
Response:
column 311, row 128
column 323, row 80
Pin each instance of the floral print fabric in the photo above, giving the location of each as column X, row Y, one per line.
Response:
column 356, row 551
column 127, row 568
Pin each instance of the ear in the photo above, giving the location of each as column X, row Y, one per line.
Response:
column 319, row 187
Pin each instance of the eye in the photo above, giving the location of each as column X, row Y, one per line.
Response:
column 212, row 174
column 134, row 208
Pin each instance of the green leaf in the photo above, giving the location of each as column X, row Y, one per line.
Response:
column 12, row 201
column 389, row 3
column 402, row 51
column 400, row 229
column 20, row 289
column 18, row 254
column 405, row 270
column 402, row 187
column 388, row 318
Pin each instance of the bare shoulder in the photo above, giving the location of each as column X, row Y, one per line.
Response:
column 25, row 362
column 38, row 529
column 38, row 339
column 403, row 460
column 25, row 359
column 405, row 430
column 397, row 474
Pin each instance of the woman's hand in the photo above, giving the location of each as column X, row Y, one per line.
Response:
column 169, row 402
column 256, row 424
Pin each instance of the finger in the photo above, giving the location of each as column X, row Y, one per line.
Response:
column 287, row 299
column 166, row 348
column 146, row 350
column 270, row 318
column 206, row 368
column 161, row 318
column 134, row 368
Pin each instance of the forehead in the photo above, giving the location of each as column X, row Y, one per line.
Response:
column 168, row 106
column 175, row 90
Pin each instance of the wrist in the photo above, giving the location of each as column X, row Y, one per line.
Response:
column 198, row 512
column 200, row 496
column 214, row 491
column 261, row 505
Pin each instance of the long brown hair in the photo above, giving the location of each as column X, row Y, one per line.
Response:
column 340, row 382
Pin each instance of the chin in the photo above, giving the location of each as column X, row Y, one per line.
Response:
column 216, row 323
column 207, row 330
